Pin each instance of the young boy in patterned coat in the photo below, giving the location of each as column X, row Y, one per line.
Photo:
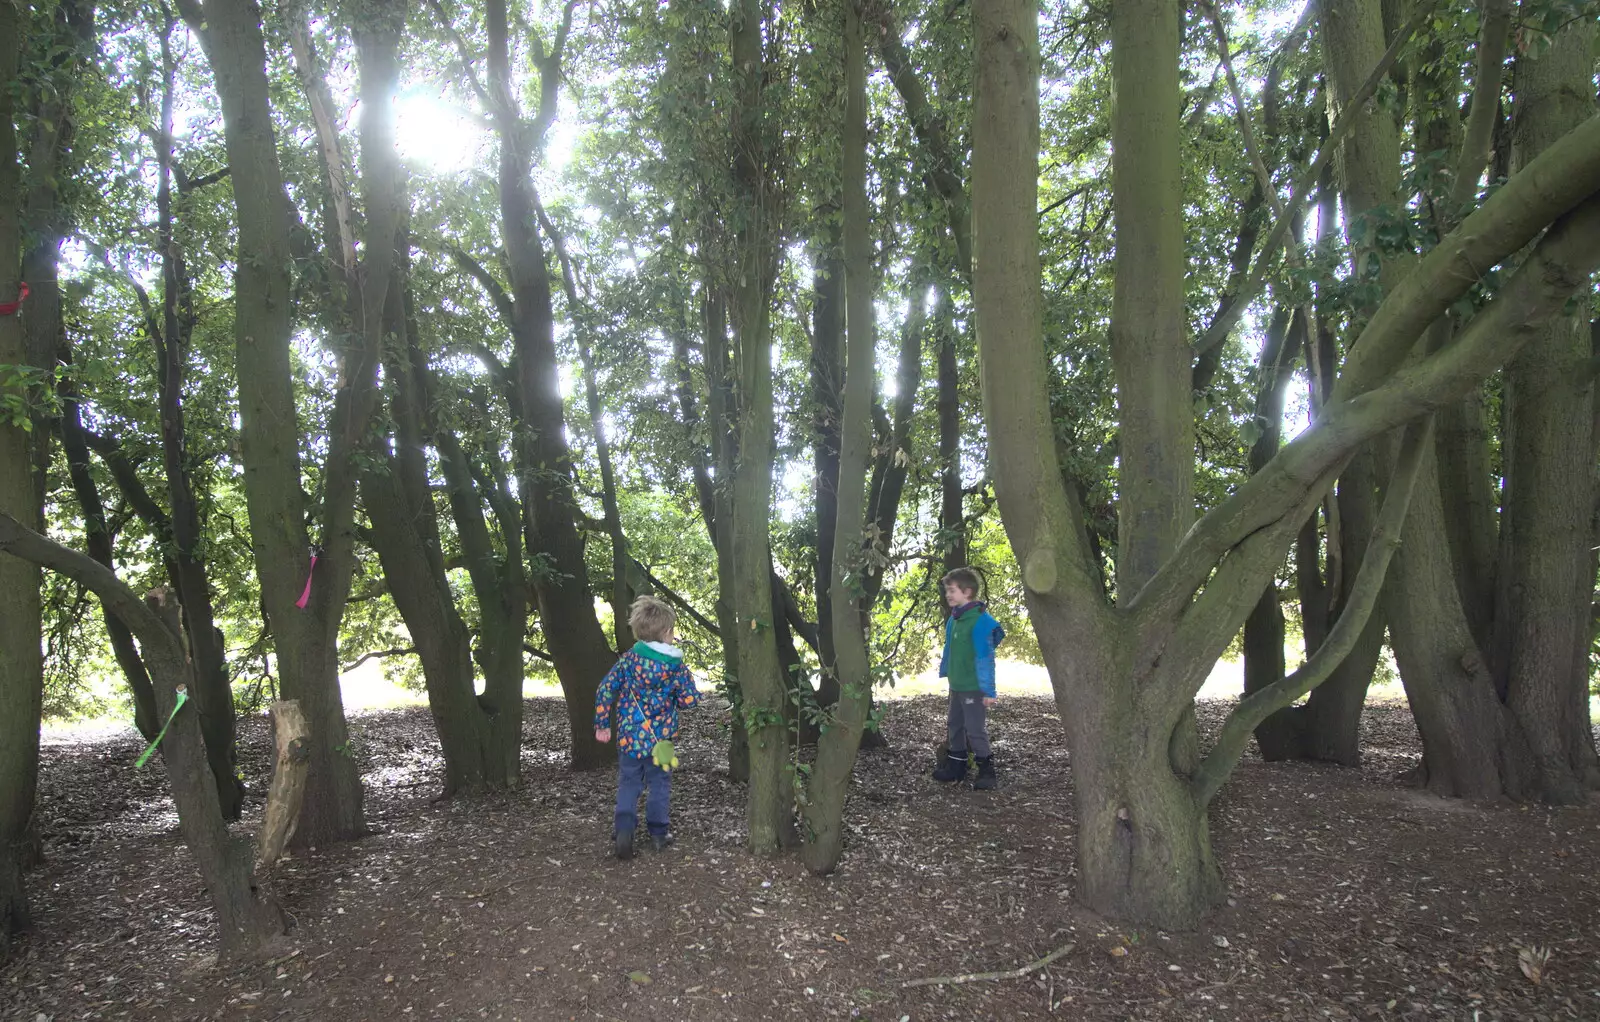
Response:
column 648, row 686
column 970, row 638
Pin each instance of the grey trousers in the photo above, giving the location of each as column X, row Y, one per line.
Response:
column 969, row 724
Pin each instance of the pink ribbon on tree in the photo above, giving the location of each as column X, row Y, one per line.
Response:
column 305, row 597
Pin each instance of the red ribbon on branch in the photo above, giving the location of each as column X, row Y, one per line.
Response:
column 10, row 308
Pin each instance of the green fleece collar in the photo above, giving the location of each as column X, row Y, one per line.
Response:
column 660, row 652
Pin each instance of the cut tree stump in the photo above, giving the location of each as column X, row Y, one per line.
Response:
column 288, row 782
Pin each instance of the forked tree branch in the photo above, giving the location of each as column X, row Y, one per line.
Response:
column 1257, row 707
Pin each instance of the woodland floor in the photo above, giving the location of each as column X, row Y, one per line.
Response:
column 1352, row 897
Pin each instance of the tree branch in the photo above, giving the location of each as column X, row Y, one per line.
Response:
column 492, row 287
column 1544, row 191
column 466, row 57
column 550, row 76
column 1219, row 330
column 677, row 600
column 537, row 652
column 377, row 654
column 187, row 184
column 1493, row 37
column 1363, row 598
column 20, row 541
column 126, row 476
column 978, row 977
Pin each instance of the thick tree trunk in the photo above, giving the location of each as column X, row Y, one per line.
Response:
column 21, row 661
column 1142, row 851
column 1549, row 458
column 304, row 638
column 1472, row 746
column 1144, row 847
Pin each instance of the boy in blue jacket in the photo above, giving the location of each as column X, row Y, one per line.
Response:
column 970, row 638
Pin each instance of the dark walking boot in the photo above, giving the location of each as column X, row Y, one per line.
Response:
column 622, row 844
column 952, row 770
column 661, row 842
column 985, row 781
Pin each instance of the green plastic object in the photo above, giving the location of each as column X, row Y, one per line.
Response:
column 183, row 697
column 664, row 755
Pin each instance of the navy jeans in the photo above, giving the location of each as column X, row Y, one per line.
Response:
column 633, row 776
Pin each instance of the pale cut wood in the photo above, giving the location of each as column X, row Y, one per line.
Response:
column 288, row 782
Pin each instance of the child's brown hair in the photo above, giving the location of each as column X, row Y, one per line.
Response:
column 965, row 578
column 651, row 619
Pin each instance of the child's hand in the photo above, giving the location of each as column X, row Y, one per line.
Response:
column 989, row 701
column 602, row 734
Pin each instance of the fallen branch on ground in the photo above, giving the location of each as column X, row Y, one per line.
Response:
column 980, row 977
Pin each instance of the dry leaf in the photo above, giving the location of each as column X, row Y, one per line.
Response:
column 1532, row 960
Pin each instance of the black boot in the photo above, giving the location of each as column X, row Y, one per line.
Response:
column 622, row 844
column 661, row 842
column 952, row 770
column 985, row 781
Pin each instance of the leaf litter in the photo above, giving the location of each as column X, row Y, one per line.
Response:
column 1351, row 896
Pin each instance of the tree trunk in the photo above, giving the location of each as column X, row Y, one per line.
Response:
column 406, row 538
column 1143, row 851
column 1152, row 355
column 304, row 638
column 567, row 619
column 213, row 691
column 1327, row 727
column 21, row 660
column 248, row 920
column 827, row 396
column 1549, row 458
column 1263, row 630
column 98, row 543
column 760, row 675
column 1144, row 846
column 499, row 580
column 1472, row 746
column 952, row 517
column 851, row 666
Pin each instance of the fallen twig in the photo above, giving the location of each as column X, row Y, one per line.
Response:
column 979, row 977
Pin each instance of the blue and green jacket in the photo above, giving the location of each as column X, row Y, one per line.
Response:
column 970, row 638
column 649, row 685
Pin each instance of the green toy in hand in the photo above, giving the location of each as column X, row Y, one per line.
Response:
column 664, row 755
